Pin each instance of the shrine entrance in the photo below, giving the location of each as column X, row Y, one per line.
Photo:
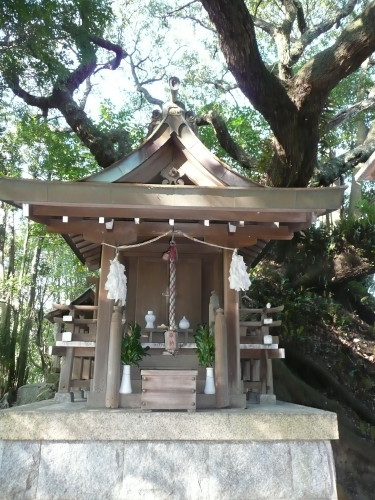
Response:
column 198, row 272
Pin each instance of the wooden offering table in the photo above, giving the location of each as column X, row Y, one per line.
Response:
column 169, row 389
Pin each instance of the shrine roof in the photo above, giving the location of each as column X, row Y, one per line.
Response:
column 170, row 180
column 88, row 214
column 172, row 154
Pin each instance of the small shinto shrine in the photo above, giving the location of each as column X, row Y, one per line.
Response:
column 174, row 216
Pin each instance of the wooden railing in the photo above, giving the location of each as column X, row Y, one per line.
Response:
column 257, row 349
column 75, row 344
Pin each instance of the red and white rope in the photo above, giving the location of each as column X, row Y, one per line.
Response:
column 172, row 286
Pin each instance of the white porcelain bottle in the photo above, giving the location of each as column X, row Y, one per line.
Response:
column 150, row 319
column 184, row 324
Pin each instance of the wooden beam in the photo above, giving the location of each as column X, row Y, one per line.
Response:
column 119, row 195
column 156, row 228
column 39, row 212
column 257, row 353
column 84, row 352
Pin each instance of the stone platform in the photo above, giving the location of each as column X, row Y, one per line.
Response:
column 67, row 451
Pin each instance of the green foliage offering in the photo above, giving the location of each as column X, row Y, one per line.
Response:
column 132, row 351
column 205, row 346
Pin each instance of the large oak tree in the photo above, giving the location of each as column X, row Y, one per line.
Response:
column 49, row 50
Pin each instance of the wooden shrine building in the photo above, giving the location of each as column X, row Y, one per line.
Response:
column 171, row 187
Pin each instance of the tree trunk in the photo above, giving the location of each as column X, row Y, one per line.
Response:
column 28, row 321
column 9, row 315
column 293, row 106
column 295, row 155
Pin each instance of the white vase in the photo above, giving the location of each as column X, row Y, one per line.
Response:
column 126, row 385
column 209, row 388
column 184, row 324
column 150, row 319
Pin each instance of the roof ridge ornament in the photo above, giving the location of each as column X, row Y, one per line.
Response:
column 174, row 112
column 174, row 85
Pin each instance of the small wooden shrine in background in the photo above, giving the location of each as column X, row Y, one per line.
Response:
column 170, row 187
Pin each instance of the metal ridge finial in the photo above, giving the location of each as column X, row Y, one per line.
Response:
column 174, row 85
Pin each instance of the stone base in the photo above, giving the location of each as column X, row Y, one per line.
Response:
column 66, row 451
column 266, row 399
column 64, row 397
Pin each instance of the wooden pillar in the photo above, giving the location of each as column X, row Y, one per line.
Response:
column 221, row 361
column 114, row 361
column 269, row 375
column 232, row 317
column 66, row 370
column 103, row 325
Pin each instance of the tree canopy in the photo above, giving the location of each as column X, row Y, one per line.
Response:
column 288, row 60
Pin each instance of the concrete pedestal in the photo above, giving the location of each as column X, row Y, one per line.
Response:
column 66, row 451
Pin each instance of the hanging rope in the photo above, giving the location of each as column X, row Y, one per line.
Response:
column 177, row 231
column 134, row 245
column 238, row 276
column 172, row 252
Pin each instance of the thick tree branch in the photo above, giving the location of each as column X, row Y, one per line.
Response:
column 360, row 268
column 222, row 85
column 43, row 103
column 101, row 145
column 309, row 35
column 120, row 53
column 225, row 139
column 140, row 86
column 238, row 41
column 323, row 71
column 334, row 168
column 267, row 27
column 351, row 112
column 301, row 21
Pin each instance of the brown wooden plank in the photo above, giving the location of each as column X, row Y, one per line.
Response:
column 231, row 241
column 257, row 353
column 152, row 283
column 260, row 323
column 256, row 339
column 169, row 373
column 86, row 352
column 76, row 321
column 189, row 289
column 267, row 310
column 147, row 229
column 40, row 212
column 74, row 307
column 168, row 401
column 179, row 383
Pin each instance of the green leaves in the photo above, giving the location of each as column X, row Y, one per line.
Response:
column 132, row 351
column 205, row 342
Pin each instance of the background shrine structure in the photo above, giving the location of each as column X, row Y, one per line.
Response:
column 171, row 187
